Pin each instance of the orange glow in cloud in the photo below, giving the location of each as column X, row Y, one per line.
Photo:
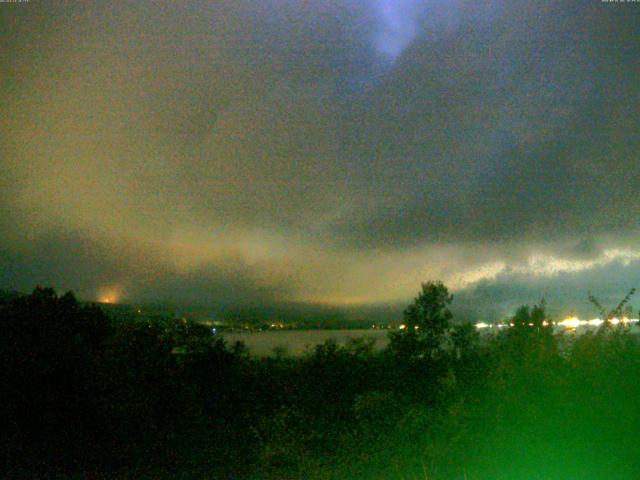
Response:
column 109, row 295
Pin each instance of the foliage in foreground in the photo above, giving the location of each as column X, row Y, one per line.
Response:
column 141, row 400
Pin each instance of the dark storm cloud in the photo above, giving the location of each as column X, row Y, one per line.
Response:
column 565, row 293
column 132, row 272
column 521, row 126
column 329, row 150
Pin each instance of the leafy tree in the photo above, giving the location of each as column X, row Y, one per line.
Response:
column 426, row 321
column 531, row 337
column 464, row 338
column 49, row 348
column 529, row 320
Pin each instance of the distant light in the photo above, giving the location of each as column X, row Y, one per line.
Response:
column 402, row 327
column 571, row 322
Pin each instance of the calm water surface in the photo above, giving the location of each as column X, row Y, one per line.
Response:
column 297, row 342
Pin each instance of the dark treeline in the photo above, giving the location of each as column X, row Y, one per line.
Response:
column 83, row 396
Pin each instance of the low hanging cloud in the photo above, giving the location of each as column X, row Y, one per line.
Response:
column 120, row 271
column 565, row 293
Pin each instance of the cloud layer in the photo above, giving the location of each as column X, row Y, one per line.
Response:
column 334, row 151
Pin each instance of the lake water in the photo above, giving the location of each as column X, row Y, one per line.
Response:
column 297, row 342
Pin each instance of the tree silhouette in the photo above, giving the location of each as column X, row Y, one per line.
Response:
column 426, row 321
column 622, row 309
column 531, row 336
column 464, row 338
column 49, row 346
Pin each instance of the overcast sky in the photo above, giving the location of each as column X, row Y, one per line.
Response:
column 331, row 151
